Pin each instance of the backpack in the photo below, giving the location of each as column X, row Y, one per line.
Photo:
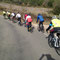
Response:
column 29, row 20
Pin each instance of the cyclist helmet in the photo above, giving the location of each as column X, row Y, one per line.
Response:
column 39, row 14
column 28, row 14
column 54, row 17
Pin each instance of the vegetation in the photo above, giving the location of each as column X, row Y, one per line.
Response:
column 55, row 4
column 0, row 13
column 2, row 8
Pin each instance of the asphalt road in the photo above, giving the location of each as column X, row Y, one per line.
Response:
column 18, row 44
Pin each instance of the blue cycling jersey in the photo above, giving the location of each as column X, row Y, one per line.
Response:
column 40, row 17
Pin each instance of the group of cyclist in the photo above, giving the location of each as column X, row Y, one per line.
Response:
column 13, row 16
column 55, row 22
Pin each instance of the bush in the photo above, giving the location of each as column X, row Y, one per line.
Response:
column 39, row 3
column 56, row 7
column 50, row 3
column 2, row 8
column 56, row 10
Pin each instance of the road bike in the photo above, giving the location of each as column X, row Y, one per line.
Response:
column 55, row 40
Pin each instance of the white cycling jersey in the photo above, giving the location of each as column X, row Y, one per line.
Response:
column 18, row 16
column 28, row 17
column 12, row 14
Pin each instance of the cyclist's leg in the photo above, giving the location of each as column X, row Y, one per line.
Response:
column 42, row 25
column 52, row 32
column 20, row 21
column 39, row 26
column 4, row 15
column 30, row 24
column 12, row 18
column 28, row 27
column 9, row 17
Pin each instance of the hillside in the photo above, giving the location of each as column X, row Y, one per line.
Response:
column 55, row 4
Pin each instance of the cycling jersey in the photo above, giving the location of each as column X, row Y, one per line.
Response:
column 56, row 23
column 28, row 19
column 18, row 16
column 12, row 14
column 4, row 12
column 40, row 17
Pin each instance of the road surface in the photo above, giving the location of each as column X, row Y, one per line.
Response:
column 18, row 44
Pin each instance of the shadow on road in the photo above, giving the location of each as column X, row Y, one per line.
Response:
column 48, row 56
column 57, row 51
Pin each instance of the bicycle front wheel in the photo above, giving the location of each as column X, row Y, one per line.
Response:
column 58, row 48
column 50, row 42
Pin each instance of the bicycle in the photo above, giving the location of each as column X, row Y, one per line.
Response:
column 41, row 28
column 53, row 41
column 30, row 27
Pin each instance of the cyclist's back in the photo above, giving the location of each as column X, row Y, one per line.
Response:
column 40, row 17
column 18, row 15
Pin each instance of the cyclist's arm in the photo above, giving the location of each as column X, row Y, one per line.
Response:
column 37, row 19
column 50, row 25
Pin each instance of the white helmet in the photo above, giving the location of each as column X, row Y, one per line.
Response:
column 54, row 17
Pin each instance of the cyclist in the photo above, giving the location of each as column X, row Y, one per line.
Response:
column 55, row 23
column 28, row 22
column 4, row 14
column 18, row 16
column 24, row 17
column 41, row 20
column 13, row 16
column 8, row 15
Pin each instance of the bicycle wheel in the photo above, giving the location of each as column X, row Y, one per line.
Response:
column 38, row 29
column 58, row 48
column 42, row 29
column 50, row 42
